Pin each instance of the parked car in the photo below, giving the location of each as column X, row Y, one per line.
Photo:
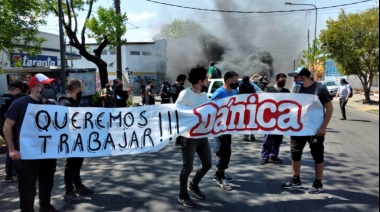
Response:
column 214, row 84
column 332, row 86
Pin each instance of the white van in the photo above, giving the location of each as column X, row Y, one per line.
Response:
column 214, row 84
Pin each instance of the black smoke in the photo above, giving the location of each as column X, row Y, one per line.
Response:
column 248, row 44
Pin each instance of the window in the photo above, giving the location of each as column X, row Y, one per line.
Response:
column 112, row 52
column 158, row 54
column 104, row 52
column 147, row 53
column 135, row 53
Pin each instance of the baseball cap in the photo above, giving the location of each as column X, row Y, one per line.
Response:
column 301, row 71
column 39, row 78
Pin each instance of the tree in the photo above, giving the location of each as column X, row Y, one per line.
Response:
column 105, row 29
column 312, row 58
column 179, row 30
column 19, row 26
column 353, row 42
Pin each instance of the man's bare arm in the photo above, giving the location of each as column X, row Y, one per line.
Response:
column 328, row 114
column 8, row 134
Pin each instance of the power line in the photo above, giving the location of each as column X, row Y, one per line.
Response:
column 247, row 12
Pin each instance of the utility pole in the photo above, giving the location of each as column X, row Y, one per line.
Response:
column 118, row 47
column 62, row 47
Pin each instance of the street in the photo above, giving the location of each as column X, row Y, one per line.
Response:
column 149, row 182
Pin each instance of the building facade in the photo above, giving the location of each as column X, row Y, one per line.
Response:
column 141, row 62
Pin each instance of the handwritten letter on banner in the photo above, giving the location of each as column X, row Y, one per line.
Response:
column 51, row 131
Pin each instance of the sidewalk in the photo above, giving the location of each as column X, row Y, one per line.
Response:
column 356, row 102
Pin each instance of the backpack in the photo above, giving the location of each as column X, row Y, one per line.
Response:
column 217, row 73
column 352, row 92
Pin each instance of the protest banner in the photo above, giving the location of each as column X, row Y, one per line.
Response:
column 51, row 131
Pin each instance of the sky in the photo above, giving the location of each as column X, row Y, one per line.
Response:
column 283, row 35
column 147, row 18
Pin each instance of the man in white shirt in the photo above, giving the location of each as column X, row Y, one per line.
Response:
column 193, row 97
column 343, row 94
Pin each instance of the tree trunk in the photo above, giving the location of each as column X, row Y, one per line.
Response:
column 103, row 74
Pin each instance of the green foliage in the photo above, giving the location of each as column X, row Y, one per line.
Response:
column 96, row 100
column 353, row 42
column 106, row 28
column 313, row 55
column 19, row 26
column 178, row 30
column 108, row 24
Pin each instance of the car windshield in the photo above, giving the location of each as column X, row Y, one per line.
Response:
column 329, row 83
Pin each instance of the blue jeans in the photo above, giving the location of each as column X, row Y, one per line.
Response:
column 189, row 147
column 223, row 151
column 343, row 104
column 271, row 146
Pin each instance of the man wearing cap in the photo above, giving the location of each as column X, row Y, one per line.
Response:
column 30, row 170
column 306, row 86
column 14, row 91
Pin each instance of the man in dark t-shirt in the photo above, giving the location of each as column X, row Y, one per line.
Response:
column 150, row 94
column 14, row 91
column 30, row 170
column 247, row 88
column 306, row 86
column 177, row 87
column 272, row 143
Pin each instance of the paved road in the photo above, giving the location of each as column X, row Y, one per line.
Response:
column 149, row 182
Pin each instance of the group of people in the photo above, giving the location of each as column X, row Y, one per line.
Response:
column 168, row 93
column 28, row 172
column 195, row 95
column 115, row 95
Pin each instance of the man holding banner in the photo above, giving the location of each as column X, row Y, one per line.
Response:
column 223, row 142
column 193, row 97
column 30, row 170
column 73, row 165
column 297, row 143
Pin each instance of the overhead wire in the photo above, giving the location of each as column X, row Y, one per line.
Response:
column 259, row 12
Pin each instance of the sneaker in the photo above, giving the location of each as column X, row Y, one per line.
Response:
column 84, row 191
column 276, row 160
column 187, row 202
column 10, row 179
column 50, row 208
column 264, row 161
column 197, row 192
column 343, row 118
column 229, row 179
column 72, row 197
column 316, row 188
column 293, row 183
column 222, row 183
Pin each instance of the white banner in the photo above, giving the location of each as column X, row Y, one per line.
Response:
column 50, row 131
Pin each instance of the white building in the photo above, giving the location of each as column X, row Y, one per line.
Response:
column 141, row 61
